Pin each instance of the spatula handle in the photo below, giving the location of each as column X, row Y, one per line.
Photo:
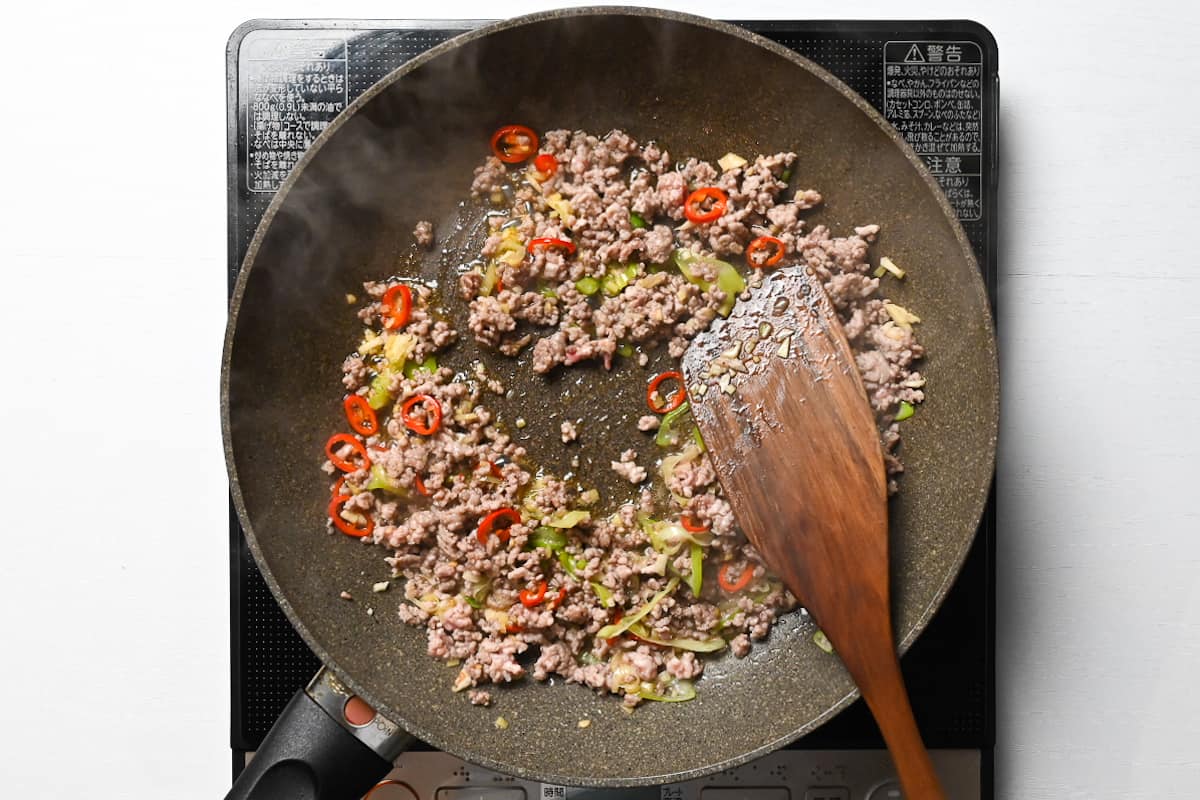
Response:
column 883, row 689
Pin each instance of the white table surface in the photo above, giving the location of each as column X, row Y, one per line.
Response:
column 112, row 244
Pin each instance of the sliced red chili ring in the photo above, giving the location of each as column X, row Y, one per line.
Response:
column 489, row 524
column 546, row 164
column 512, row 144
column 433, row 410
column 335, row 506
column 557, row 601
column 529, row 598
column 765, row 244
column 331, row 448
column 360, row 414
column 513, row 627
column 691, row 525
column 693, row 207
column 734, row 586
column 674, row 401
column 420, row 484
column 396, row 307
column 546, row 241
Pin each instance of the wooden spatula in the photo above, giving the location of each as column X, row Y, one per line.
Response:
column 776, row 395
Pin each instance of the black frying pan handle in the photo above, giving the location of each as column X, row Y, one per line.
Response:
column 309, row 754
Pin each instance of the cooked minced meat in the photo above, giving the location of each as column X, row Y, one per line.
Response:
column 648, row 423
column 628, row 467
column 423, row 233
column 511, row 571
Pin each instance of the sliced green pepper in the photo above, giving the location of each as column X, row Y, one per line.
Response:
column 670, row 429
column 429, row 365
column 625, row 350
column 636, row 220
column 381, row 480
column 603, row 593
column 696, row 579
column 551, row 538
column 677, row 691
column 587, row 285
column 906, row 411
column 695, row 645
column 571, row 564
column 618, row 278
column 729, row 280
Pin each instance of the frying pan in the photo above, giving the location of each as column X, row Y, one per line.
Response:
column 405, row 151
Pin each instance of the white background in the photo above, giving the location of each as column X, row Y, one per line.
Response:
column 112, row 244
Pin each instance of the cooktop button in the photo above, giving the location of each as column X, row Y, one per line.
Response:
column 481, row 793
column 745, row 793
column 357, row 712
column 888, row 790
column 392, row 790
column 827, row 793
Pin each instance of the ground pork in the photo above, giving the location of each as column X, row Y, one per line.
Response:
column 423, row 234
column 628, row 468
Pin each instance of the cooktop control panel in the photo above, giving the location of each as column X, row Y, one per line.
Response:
column 784, row 775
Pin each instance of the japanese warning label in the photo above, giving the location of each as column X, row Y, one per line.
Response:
column 933, row 94
column 293, row 89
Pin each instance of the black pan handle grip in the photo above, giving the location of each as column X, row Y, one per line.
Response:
column 311, row 754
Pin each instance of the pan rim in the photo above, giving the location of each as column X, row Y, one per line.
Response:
column 991, row 370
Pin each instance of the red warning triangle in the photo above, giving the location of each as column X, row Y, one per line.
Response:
column 914, row 54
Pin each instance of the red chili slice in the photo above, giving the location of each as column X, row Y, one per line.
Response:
column 489, row 524
column 691, row 525
column 740, row 583
column 529, row 599
column 420, row 484
column 557, row 601
column 512, row 144
column 331, row 448
column 693, row 207
column 546, row 164
column 396, row 307
column 415, row 424
column 765, row 244
column 361, row 415
column 674, row 401
column 335, row 506
column 546, row 241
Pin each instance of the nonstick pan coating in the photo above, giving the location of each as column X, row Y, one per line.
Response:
column 404, row 152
